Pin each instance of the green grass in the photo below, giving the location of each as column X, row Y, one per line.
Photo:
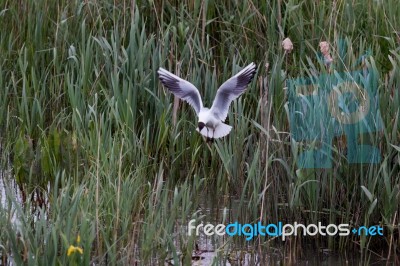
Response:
column 86, row 129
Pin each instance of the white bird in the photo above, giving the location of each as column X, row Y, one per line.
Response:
column 210, row 123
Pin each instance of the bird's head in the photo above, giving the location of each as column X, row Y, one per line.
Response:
column 201, row 125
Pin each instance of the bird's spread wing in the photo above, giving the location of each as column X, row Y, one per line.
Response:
column 181, row 88
column 230, row 90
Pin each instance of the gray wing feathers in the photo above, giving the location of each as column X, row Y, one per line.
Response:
column 181, row 89
column 232, row 89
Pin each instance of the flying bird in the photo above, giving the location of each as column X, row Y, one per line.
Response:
column 210, row 121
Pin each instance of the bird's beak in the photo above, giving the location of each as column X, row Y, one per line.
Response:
column 201, row 126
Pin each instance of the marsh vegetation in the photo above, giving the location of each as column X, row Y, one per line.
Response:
column 96, row 170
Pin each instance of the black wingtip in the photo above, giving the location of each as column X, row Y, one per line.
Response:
column 247, row 76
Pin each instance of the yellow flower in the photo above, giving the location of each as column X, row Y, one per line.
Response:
column 78, row 239
column 73, row 249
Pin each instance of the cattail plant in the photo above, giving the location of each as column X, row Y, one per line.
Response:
column 324, row 48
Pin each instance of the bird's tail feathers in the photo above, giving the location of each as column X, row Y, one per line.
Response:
column 220, row 131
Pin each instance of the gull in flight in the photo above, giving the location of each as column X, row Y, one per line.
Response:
column 210, row 123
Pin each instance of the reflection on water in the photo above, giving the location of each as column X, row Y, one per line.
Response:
column 5, row 183
column 2, row 191
column 8, row 188
column 310, row 258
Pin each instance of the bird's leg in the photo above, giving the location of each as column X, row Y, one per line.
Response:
column 210, row 140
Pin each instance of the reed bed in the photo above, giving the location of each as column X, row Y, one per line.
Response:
column 94, row 164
